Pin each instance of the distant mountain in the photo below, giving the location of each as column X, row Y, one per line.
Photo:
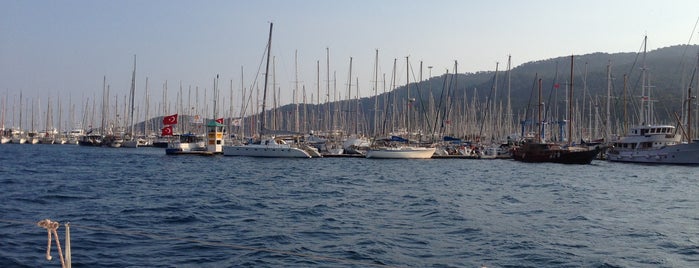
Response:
column 669, row 68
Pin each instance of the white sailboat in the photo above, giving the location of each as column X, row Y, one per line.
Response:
column 4, row 138
column 401, row 152
column 654, row 143
column 271, row 146
column 18, row 135
column 394, row 150
column 130, row 141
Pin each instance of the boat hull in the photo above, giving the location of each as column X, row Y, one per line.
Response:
column 401, row 153
column 258, row 150
column 680, row 154
column 547, row 153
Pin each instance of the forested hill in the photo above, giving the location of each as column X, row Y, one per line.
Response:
column 670, row 70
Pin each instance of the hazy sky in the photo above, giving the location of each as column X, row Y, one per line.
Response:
column 52, row 48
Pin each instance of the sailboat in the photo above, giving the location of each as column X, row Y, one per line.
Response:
column 269, row 146
column 130, row 140
column 32, row 135
column 399, row 148
column 655, row 143
column 4, row 138
column 539, row 151
column 18, row 135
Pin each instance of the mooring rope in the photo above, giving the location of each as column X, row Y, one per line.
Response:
column 52, row 228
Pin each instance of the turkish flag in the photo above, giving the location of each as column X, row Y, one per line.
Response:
column 167, row 131
column 170, row 119
column 219, row 120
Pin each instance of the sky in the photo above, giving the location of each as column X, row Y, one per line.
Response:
column 64, row 49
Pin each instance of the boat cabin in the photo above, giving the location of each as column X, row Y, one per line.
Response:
column 648, row 137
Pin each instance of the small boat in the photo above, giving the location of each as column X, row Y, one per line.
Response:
column 33, row 137
column 272, row 147
column 18, row 137
column 401, row 152
column 187, row 143
column 538, row 152
column 91, row 139
column 398, row 147
column 655, row 143
column 75, row 135
column 269, row 146
column 356, row 145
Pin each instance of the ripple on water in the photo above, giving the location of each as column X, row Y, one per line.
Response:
column 143, row 208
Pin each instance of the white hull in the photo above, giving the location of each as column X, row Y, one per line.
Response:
column 4, row 140
column 656, row 144
column 188, row 146
column 261, row 150
column 130, row 144
column 134, row 143
column 115, row 144
column 685, row 153
column 401, row 153
column 18, row 140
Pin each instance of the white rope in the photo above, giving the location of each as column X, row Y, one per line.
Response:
column 52, row 228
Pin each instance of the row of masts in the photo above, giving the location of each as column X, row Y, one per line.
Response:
column 426, row 114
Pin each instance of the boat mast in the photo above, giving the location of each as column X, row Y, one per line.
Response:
column 608, row 127
column 104, row 89
column 642, row 113
column 264, row 93
column 328, row 124
column 539, row 122
column 132, row 93
column 349, row 93
column 407, row 89
column 317, row 125
column 510, row 127
column 296, row 92
column 376, row 93
column 570, row 104
column 243, row 105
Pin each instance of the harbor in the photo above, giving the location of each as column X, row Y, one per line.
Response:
column 312, row 133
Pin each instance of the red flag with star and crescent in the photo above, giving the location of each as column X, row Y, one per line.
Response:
column 170, row 120
column 167, row 131
column 219, row 120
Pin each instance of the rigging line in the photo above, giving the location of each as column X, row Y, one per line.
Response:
column 422, row 105
column 693, row 31
column 529, row 108
column 210, row 243
column 253, row 85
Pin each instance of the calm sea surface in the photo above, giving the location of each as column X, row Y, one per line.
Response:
column 142, row 208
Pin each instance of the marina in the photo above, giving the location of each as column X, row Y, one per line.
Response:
column 349, row 134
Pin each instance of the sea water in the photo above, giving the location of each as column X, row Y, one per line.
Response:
column 141, row 208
